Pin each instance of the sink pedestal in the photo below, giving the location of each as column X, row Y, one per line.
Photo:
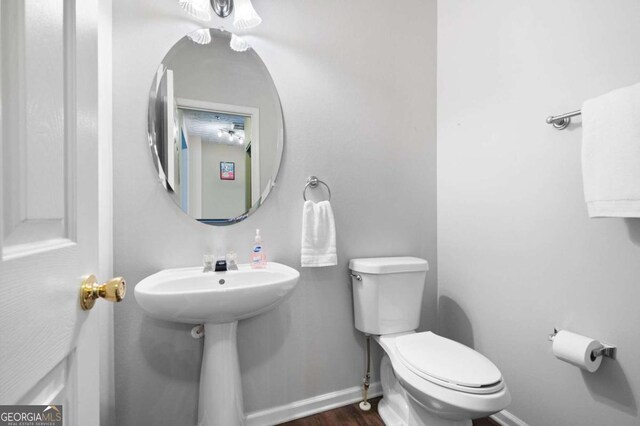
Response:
column 220, row 401
column 218, row 300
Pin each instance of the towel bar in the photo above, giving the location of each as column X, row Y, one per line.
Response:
column 562, row 121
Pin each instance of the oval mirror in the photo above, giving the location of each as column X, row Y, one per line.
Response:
column 215, row 127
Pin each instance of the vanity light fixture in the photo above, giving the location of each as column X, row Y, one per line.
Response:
column 201, row 36
column 246, row 16
column 199, row 9
column 222, row 8
column 238, row 43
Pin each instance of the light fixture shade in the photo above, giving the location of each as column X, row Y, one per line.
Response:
column 201, row 36
column 199, row 9
column 245, row 16
column 238, row 43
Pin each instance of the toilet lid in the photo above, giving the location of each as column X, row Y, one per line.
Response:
column 434, row 357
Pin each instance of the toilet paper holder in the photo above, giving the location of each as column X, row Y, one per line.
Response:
column 609, row 351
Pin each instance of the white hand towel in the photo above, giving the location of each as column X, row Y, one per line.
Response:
column 611, row 153
column 318, row 235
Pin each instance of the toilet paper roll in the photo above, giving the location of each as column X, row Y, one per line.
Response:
column 576, row 349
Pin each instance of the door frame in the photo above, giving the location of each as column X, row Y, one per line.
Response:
column 254, row 114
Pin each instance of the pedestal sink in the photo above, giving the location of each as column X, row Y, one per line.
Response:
column 218, row 300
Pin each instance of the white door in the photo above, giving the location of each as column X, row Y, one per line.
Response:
column 49, row 195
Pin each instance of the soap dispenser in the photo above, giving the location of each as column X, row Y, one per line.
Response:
column 258, row 257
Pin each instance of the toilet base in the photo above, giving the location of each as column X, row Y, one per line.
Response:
column 389, row 415
column 398, row 408
column 419, row 416
column 393, row 407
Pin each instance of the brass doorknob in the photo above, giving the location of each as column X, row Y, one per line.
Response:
column 113, row 290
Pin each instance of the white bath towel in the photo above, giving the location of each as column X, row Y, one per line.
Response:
column 611, row 153
column 318, row 235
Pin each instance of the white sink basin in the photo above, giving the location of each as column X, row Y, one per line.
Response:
column 191, row 296
column 217, row 300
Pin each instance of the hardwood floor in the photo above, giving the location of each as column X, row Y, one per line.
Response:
column 352, row 415
column 347, row 415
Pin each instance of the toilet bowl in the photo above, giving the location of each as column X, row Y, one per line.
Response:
column 427, row 380
column 446, row 383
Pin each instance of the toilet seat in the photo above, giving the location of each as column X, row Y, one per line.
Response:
column 448, row 363
column 448, row 400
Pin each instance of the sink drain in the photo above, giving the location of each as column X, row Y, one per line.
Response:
column 221, row 282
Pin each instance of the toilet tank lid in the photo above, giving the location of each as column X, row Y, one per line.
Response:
column 388, row 265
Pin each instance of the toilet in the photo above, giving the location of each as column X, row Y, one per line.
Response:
column 426, row 379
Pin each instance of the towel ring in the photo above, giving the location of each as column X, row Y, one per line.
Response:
column 313, row 181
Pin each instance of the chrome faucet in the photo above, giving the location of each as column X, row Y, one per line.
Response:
column 221, row 265
column 208, row 261
column 232, row 261
column 227, row 263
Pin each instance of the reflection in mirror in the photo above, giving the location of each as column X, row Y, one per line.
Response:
column 215, row 129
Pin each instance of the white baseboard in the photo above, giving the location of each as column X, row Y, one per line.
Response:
column 329, row 401
column 307, row 407
column 505, row 418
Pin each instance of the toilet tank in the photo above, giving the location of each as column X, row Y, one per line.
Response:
column 388, row 298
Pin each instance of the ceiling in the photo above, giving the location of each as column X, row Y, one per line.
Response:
column 207, row 124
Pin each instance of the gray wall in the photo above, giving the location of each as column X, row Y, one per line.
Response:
column 344, row 81
column 517, row 254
